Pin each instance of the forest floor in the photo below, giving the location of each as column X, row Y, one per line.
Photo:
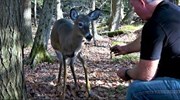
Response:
column 41, row 80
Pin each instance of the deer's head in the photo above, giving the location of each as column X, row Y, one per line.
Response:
column 82, row 22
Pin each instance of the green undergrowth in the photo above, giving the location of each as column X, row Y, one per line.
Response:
column 128, row 57
column 125, row 29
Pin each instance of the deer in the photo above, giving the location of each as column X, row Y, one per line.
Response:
column 66, row 40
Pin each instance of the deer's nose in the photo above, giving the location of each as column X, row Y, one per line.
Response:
column 88, row 37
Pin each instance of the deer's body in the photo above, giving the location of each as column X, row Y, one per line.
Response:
column 66, row 39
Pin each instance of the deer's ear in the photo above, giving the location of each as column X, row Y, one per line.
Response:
column 94, row 14
column 73, row 14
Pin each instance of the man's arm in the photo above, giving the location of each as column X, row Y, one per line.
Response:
column 145, row 70
column 134, row 46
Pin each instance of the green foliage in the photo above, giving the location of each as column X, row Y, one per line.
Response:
column 120, row 88
column 129, row 28
column 111, row 92
column 39, row 54
column 117, row 43
column 40, row 2
column 127, row 5
column 128, row 57
column 115, row 33
column 104, row 5
column 125, row 29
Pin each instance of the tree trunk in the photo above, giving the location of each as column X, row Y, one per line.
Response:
column 115, row 15
column 129, row 13
column 35, row 13
column 26, row 37
column 11, row 67
column 128, row 17
column 93, row 24
column 59, row 12
column 39, row 51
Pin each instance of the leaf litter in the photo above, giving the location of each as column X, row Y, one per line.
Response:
column 41, row 81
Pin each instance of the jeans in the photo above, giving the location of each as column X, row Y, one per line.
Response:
column 164, row 88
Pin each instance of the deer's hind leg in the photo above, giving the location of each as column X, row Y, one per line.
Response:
column 60, row 60
column 72, row 70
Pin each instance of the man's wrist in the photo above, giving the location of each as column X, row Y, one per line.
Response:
column 127, row 75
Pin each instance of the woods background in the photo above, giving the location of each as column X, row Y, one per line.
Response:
column 25, row 27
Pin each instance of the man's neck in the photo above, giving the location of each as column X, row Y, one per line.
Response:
column 152, row 6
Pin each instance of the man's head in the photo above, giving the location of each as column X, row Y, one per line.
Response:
column 144, row 8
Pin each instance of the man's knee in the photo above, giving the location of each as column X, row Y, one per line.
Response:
column 134, row 88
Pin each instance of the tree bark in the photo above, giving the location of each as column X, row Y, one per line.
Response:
column 26, row 37
column 128, row 11
column 11, row 66
column 59, row 12
column 35, row 13
column 115, row 15
column 128, row 17
column 93, row 25
column 39, row 50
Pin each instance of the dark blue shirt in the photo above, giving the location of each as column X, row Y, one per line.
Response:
column 161, row 39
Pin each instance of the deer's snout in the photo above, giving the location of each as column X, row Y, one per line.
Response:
column 88, row 37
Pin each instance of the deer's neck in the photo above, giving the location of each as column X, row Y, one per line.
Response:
column 76, row 37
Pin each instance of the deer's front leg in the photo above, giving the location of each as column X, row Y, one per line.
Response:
column 79, row 56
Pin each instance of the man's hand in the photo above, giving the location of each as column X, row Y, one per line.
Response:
column 119, row 50
column 121, row 73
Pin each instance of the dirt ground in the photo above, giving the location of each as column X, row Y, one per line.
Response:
column 42, row 80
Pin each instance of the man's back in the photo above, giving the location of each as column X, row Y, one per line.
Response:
column 161, row 39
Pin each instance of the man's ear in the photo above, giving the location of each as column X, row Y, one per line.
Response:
column 143, row 2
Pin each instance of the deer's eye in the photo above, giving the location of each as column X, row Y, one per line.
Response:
column 80, row 24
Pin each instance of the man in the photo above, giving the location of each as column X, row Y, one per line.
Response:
column 157, row 75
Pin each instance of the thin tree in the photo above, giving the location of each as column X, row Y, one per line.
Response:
column 115, row 15
column 26, row 36
column 11, row 66
column 35, row 13
column 59, row 12
column 128, row 11
column 39, row 50
column 93, row 24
